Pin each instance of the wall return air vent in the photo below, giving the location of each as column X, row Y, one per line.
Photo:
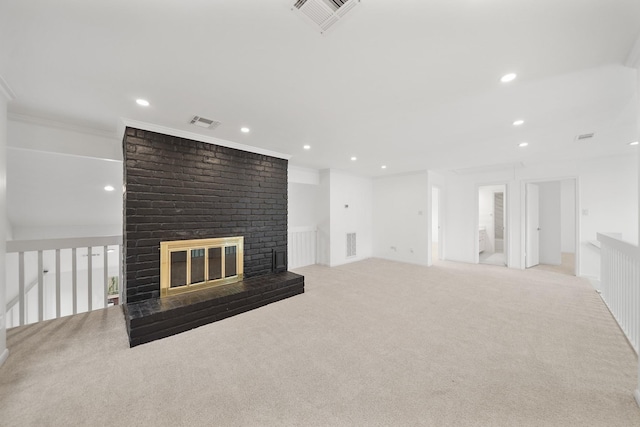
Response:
column 351, row 245
column 323, row 14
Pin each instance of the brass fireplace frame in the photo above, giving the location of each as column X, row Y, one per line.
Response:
column 167, row 248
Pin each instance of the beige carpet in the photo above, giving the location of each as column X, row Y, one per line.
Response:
column 494, row 258
column 567, row 266
column 375, row 343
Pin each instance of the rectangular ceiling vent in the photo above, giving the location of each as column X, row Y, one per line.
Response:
column 323, row 14
column 584, row 136
column 204, row 123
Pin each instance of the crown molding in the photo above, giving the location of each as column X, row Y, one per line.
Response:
column 198, row 137
column 6, row 90
column 58, row 124
column 633, row 59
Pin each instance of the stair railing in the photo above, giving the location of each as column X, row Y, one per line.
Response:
column 19, row 302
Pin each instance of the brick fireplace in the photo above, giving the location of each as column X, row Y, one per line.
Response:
column 179, row 189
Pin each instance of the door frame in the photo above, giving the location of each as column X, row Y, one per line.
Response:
column 441, row 252
column 507, row 221
column 523, row 216
column 529, row 224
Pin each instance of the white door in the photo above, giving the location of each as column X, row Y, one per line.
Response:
column 532, row 256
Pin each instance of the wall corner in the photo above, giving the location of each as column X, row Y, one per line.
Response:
column 6, row 95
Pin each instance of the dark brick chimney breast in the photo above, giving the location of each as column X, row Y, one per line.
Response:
column 179, row 189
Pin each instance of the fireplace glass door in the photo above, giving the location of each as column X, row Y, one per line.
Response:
column 215, row 263
column 193, row 264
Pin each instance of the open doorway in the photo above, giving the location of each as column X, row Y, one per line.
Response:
column 436, row 227
column 492, row 224
column 550, row 226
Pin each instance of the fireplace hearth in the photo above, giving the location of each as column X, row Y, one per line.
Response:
column 157, row 318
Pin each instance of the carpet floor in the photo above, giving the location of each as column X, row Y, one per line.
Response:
column 373, row 343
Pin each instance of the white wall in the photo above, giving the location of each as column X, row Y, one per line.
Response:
column 4, row 99
column 324, row 218
column 485, row 217
column 637, row 65
column 45, row 135
column 608, row 203
column 303, row 205
column 55, row 180
column 300, row 175
column 304, row 215
column 437, row 181
column 435, row 214
column 460, row 214
column 638, row 156
column 335, row 190
column 608, row 189
column 400, row 218
column 568, row 216
column 64, row 232
column 550, row 223
column 356, row 193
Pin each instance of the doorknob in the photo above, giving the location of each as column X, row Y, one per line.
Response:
column 538, row 228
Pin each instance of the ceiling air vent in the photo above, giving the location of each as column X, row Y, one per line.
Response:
column 584, row 136
column 204, row 123
column 323, row 14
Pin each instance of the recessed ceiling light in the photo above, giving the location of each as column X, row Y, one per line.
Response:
column 523, row 144
column 244, row 130
column 354, row 158
column 634, row 143
column 307, row 147
column 108, row 188
column 383, row 166
column 508, row 77
column 518, row 122
column 142, row 102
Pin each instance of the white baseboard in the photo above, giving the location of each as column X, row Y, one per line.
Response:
column 5, row 355
column 637, row 396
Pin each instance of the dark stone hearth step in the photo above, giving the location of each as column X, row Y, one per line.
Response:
column 157, row 318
